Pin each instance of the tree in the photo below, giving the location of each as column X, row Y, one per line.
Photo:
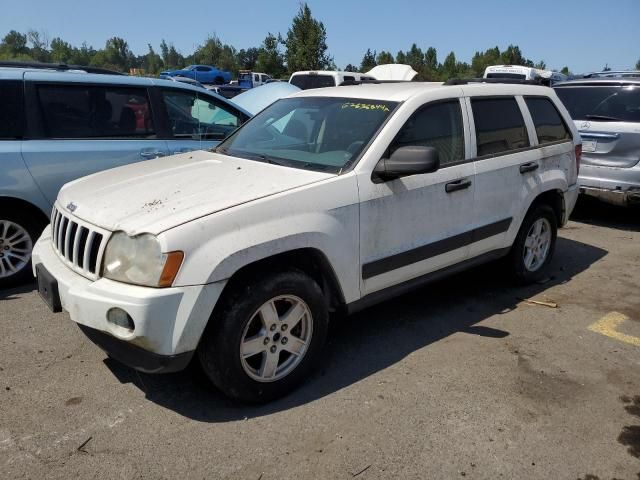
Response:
column 214, row 52
column 606, row 68
column 247, row 58
column 39, row 45
column 61, row 51
column 415, row 58
column 401, row 57
column 431, row 59
column 14, row 45
column 638, row 65
column 116, row 55
column 171, row 58
column 450, row 66
column 541, row 65
column 565, row 70
column 270, row 58
column 384, row 58
column 368, row 61
column 350, row 68
column 306, row 43
column 151, row 62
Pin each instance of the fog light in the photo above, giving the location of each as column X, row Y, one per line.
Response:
column 119, row 317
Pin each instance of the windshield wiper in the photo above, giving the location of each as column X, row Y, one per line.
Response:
column 604, row 118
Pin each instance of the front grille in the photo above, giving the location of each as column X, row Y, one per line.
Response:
column 80, row 244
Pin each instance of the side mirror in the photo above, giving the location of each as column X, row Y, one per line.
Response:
column 405, row 161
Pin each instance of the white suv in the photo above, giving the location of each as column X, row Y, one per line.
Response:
column 329, row 200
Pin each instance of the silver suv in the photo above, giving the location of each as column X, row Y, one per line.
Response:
column 607, row 115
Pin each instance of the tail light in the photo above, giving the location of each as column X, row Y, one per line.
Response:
column 578, row 157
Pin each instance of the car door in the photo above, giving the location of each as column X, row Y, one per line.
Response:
column 415, row 225
column 78, row 128
column 197, row 120
column 506, row 169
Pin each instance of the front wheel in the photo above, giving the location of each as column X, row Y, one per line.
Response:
column 18, row 234
column 265, row 337
column 534, row 245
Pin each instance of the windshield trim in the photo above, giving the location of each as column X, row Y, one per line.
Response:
column 222, row 149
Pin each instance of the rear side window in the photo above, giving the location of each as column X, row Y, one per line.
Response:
column 549, row 124
column 500, row 127
column 305, row 82
column 602, row 103
column 11, row 110
column 94, row 111
column 438, row 125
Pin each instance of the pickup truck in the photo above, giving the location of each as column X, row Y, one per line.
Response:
column 246, row 81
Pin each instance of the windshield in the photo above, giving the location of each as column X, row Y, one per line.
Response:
column 307, row 81
column 317, row 133
column 606, row 103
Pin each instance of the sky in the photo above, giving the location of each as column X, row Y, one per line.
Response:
column 581, row 34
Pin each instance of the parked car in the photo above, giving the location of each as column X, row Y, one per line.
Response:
column 202, row 73
column 59, row 125
column 246, row 81
column 519, row 72
column 327, row 78
column 607, row 115
column 329, row 200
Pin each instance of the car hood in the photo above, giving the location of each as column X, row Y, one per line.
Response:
column 159, row 194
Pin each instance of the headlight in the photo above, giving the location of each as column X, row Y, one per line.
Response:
column 139, row 260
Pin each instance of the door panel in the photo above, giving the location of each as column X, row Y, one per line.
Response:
column 415, row 225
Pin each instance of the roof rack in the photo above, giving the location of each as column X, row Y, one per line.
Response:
column 465, row 81
column 58, row 66
column 365, row 81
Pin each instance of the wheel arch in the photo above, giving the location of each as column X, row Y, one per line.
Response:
column 23, row 205
column 555, row 199
column 309, row 260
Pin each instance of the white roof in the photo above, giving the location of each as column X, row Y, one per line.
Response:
column 402, row 91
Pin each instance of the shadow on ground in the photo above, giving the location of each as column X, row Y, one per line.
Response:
column 15, row 292
column 594, row 212
column 374, row 339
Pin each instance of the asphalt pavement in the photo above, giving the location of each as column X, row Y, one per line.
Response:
column 469, row 377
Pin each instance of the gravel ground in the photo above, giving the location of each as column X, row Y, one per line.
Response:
column 463, row 378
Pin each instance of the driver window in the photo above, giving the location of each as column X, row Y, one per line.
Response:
column 437, row 125
column 196, row 116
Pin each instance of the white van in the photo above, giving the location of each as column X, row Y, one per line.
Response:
column 328, row 78
column 519, row 72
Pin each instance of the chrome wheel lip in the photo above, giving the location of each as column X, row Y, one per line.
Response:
column 15, row 248
column 537, row 245
column 279, row 339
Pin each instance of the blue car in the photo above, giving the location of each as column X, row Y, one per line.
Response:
column 59, row 123
column 201, row 73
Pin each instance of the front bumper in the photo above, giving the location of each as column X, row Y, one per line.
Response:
column 620, row 186
column 168, row 322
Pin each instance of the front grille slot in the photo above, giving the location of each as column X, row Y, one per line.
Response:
column 80, row 245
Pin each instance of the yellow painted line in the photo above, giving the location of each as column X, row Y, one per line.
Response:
column 608, row 325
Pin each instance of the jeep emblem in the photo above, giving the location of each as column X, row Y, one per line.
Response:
column 72, row 207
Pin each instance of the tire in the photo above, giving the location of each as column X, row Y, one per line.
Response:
column 18, row 234
column 245, row 328
column 534, row 245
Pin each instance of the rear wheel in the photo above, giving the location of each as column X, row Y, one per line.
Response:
column 18, row 234
column 534, row 246
column 265, row 336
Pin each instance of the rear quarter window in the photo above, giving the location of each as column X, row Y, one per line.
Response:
column 548, row 122
column 500, row 127
column 11, row 110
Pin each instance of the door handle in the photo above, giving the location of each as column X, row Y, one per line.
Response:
column 457, row 185
column 149, row 154
column 528, row 167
